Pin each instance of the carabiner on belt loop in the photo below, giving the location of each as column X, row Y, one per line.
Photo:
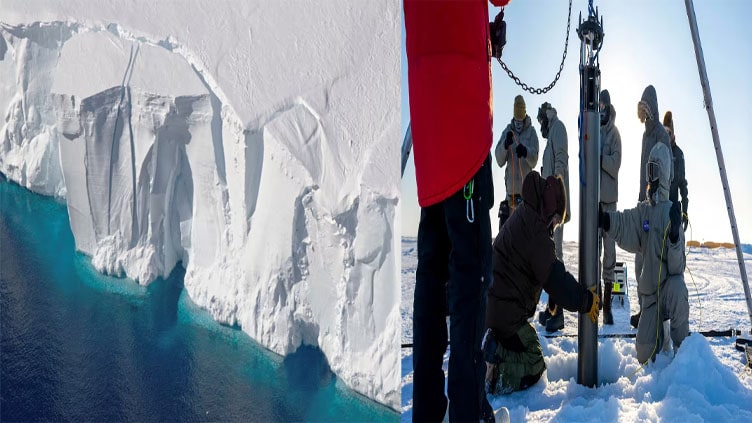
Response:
column 467, row 192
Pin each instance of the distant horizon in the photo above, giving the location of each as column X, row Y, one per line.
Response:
column 746, row 246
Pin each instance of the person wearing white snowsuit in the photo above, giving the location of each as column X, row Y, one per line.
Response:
column 647, row 112
column 517, row 149
column 555, row 162
column 609, row 194
column 653, row 228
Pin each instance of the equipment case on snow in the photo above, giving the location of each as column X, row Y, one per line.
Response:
column 620, row 284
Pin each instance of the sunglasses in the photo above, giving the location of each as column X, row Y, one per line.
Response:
column 653, row 171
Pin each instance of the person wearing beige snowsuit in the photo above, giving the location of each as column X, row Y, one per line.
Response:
column 555, row 159
column 555, row 163
column 647, row 112
column 609, row 194
column 517, row 149
column 653, row 228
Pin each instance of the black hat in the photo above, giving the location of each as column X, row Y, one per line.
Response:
column 542, row 110
column 605, row 97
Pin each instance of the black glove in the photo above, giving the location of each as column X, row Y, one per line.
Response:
column 498, row 33
column 489, row 346
column 604, row 220
column 509, row 140
column 521, row 150
column 504, row 213
column 685, row 222
column 675, row 215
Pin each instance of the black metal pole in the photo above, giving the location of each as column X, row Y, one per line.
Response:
column 718, row 152
column 591, row 36
column 407, row 145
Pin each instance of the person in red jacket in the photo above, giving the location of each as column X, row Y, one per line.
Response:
column 449, row 82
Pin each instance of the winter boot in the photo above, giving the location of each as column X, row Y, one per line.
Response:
column 492, row 378
column 489, row 347
column 502, row 415
column 635, row 319
column 487, row 412
column 608, row 317
column 556, row 321
column 666, row 336
column 543, row 316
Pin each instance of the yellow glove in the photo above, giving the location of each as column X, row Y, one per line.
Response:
column 593, row 312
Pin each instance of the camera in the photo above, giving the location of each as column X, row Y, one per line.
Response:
column 498, row 34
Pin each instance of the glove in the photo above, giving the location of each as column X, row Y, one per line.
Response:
column 504, row 213
column 593, row 312
column 685, row 222
column 498, row 33
column 604, row 220
column 521, row 151
column 499, row 17
column 489, row 346
column 509, row 140
column 675, row 215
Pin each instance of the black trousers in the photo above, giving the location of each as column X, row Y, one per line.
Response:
column 453, row 275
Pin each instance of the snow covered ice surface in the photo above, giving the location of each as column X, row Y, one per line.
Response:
column 705, row 381
column 253, row 141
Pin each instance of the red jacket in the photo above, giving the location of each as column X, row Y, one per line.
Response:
column 449, row 81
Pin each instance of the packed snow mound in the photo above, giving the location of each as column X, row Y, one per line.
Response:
column 252, row 142
column 706, row 379
column 693, row 385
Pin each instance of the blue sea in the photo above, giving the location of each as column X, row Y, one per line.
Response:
column 79, row 346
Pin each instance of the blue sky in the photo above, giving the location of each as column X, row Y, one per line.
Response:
column 646, row 42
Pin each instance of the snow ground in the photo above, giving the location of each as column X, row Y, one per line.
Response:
column 707, row 380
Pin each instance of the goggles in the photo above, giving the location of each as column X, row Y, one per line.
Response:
column 652, row 171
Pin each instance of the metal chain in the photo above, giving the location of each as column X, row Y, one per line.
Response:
column 532, row 90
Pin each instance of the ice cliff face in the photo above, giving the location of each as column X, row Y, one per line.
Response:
column 254, row 143
column 28, row 140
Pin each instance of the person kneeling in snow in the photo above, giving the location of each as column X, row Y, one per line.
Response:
column 524, row 262
column 653, row 229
